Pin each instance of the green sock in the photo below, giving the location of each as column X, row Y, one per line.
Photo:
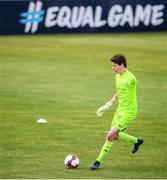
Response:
column 106, row 147
column 127, row 137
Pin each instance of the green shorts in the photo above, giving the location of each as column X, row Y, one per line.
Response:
column 121, row 122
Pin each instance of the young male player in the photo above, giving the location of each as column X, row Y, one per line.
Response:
column 126, row 111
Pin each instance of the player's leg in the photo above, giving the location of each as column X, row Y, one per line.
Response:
column 128, row 138
column 106, row 147
column 124, row 122
column 111, row 136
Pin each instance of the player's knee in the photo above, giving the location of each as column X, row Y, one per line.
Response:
column 112, row 135
column 109, row 138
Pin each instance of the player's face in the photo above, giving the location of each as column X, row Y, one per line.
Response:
column 117, row 68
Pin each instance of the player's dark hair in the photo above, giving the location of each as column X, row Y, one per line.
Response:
column 119, row 59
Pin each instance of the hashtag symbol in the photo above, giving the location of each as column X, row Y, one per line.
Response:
column 32, row 17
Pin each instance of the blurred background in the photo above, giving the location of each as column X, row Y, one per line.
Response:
column 68, row 16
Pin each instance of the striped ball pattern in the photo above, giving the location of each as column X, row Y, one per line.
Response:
column 71, row 161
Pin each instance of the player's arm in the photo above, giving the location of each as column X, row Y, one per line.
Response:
column 114, row 98
column 107, row 105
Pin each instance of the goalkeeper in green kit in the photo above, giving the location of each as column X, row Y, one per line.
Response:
column 126, row 111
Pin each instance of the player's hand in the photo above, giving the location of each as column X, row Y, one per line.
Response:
column 99, row 112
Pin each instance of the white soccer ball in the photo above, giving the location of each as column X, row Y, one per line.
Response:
column 71, row 161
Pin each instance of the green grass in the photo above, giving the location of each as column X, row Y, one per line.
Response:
column 65, row 78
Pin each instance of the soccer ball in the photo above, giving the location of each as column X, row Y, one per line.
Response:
column 71, row 161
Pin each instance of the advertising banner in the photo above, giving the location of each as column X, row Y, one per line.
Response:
column 82, row 16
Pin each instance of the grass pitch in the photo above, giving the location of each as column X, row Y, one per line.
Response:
column 64, row 79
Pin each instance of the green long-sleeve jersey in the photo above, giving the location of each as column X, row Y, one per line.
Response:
column 126, row 89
